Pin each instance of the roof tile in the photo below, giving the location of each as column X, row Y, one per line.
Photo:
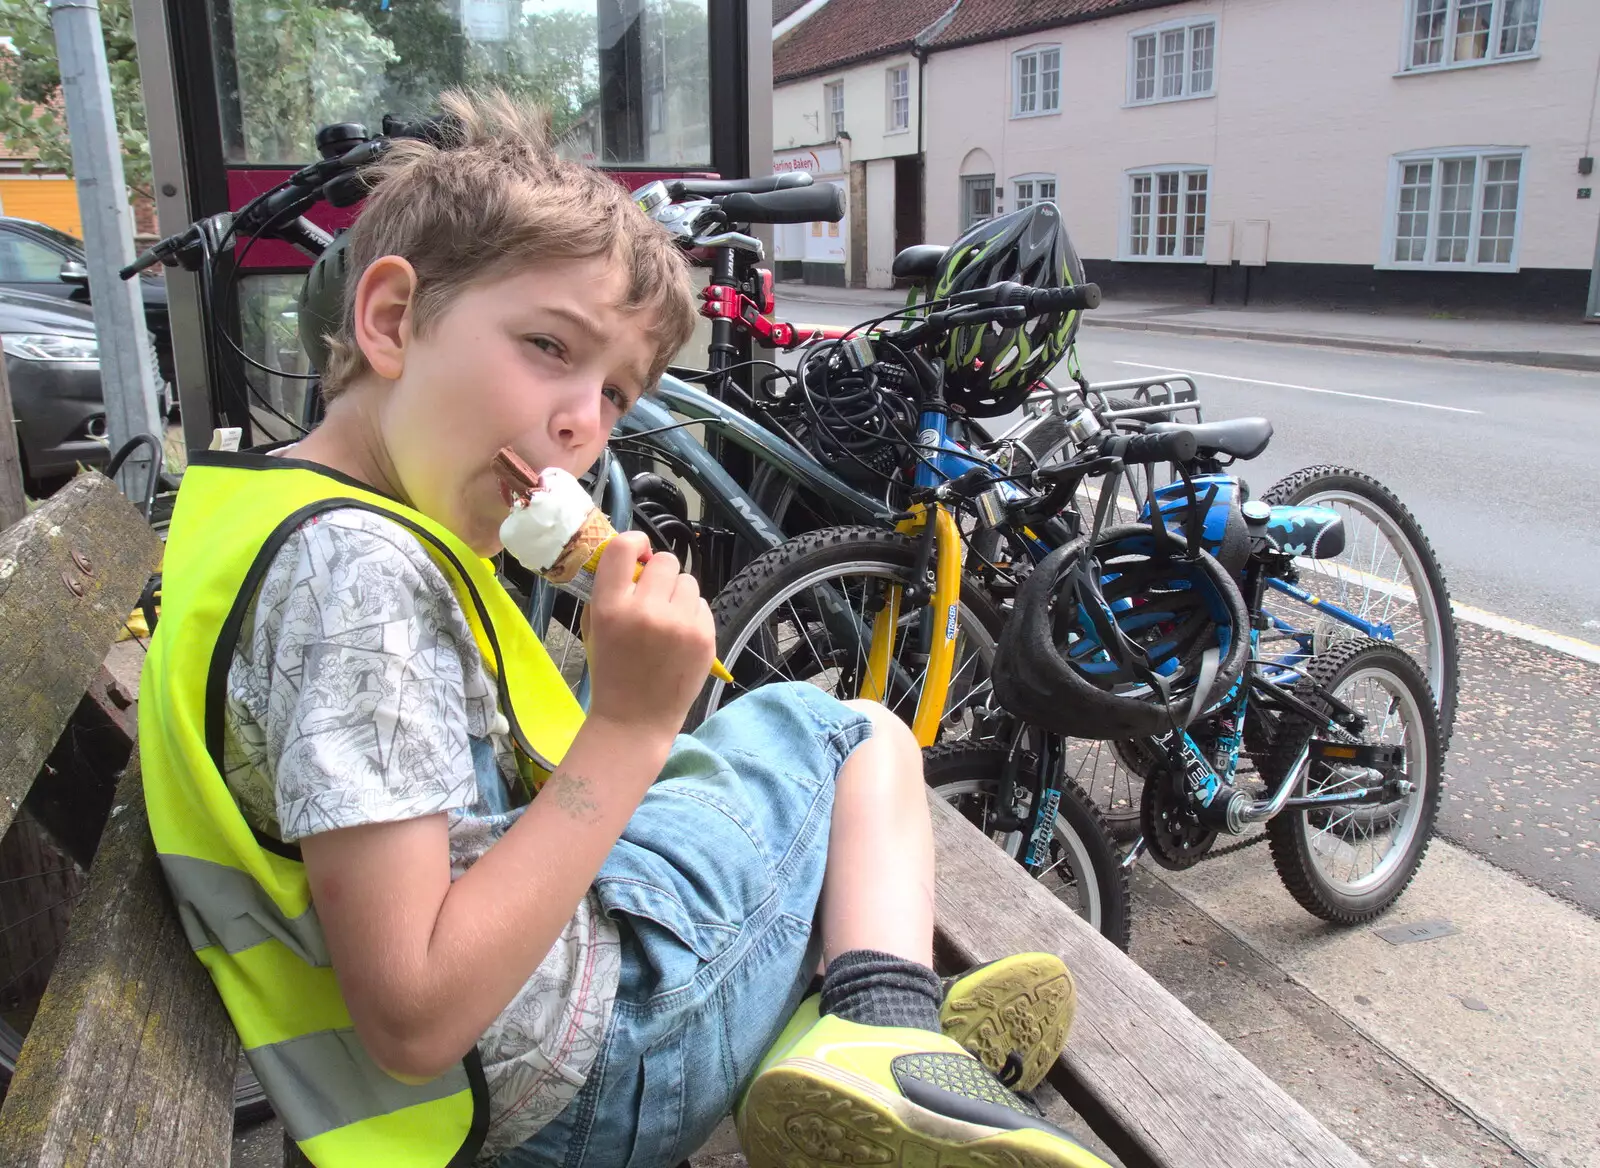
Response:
column 985, row 20
column 843, row 32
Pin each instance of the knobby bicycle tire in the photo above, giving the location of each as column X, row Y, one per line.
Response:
column 1324, row 480
column 1081, row 830
column 766, row 580
column 1287, row 832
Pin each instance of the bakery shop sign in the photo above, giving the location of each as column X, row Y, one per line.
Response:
column 812, row 160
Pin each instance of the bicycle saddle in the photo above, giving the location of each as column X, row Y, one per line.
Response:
column 920, row 261
column 1240, row 437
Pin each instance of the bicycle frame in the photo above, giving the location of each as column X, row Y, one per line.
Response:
column 942, row 459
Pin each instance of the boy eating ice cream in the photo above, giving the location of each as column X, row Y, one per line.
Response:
column 454, row 918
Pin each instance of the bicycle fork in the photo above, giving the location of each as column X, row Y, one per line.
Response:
column 940, row 633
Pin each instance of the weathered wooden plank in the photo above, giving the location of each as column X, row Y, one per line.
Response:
column 1157, row 1084
column 130, row 1060
column 12, row 502
column 60, row 614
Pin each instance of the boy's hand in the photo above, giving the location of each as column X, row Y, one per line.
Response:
column 650, row 640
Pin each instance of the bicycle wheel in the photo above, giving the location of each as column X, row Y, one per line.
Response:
column 1113, row 775
column 1348, row 864
column 1386, row 574
column 40, row 884
column 1085, row 871
column 804, row 612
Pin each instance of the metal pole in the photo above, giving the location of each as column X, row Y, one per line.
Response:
column 1592, row 312
column 127, row 368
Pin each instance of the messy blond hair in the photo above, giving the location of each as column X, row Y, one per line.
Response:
column 495, row 198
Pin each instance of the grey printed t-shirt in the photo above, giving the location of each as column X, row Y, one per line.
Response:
column 357, row 695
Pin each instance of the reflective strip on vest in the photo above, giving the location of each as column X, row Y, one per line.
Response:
column 219, row 905
column 319, row 1082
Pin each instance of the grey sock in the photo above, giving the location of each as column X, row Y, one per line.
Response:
column 880, row 989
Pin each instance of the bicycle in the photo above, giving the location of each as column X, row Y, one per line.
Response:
column 1356, row 761
column 1385, row 584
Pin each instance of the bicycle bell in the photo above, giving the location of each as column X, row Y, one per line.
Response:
column 1082, row 426
column 652, row 196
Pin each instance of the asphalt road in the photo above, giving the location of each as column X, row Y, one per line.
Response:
column 1501, row 466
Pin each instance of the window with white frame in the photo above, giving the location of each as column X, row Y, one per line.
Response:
column 1173, row 61
column 1456, row 209
column 1167, row 213
column 1033, row 188
column 1446, row 33
column 833, row 96
column 899, row 113
column 977, row 199
column 1036, row 81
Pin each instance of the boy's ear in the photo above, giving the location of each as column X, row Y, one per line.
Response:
column 383, row 314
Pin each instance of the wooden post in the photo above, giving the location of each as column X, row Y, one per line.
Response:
column 12, row 505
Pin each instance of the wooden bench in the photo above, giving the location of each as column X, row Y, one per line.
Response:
column 130, row 1060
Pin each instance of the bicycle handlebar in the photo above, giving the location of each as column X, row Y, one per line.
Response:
column 1037, row 301
column 803, row 204
column 705, row 188
column 1177, row 444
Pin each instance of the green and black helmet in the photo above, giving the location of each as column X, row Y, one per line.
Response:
column 989, row 369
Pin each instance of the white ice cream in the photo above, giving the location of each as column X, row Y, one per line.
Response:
column 536, row 532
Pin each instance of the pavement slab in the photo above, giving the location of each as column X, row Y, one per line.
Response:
column 1523, row 773
column 1501, row 1017
column 1371, row 1100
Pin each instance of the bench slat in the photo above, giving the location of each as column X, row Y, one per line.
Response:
column 130, row 1060
column 53, row 641
column 1157, row 1084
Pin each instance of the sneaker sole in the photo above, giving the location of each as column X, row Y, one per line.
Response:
column 1024, row 1004
column 808, row 1114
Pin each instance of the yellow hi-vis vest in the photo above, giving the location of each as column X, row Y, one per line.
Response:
column 242, row 896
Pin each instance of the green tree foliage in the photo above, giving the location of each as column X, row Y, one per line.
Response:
column 33, row 122
column 301, row 64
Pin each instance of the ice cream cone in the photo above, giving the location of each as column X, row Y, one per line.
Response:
column 544, row 505
column 583, row 549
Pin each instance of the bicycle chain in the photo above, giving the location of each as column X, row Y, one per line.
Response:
column 1218, row 853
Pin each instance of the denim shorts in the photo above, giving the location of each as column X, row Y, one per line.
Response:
column 714, row 885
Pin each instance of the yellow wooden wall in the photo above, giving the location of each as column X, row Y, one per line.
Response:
column 46, row 200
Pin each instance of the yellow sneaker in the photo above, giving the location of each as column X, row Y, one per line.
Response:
column 837, row 1094
column 1012, row 1015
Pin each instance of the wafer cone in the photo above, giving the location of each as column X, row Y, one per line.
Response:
column 582, row 550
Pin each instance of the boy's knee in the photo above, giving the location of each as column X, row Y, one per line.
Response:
column 887, row 728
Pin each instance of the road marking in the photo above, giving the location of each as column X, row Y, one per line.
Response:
column 1545, row 638
column 1398, row 401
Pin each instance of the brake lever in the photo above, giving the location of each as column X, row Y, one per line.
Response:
column 734, row 239
column 1063, row 481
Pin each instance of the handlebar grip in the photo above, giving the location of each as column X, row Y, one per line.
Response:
column 823, row 202
column 1075, row 298
column 1175, row 445
column 442, row 130
column 1006, row 314
column 705, row 188
column 148, row 258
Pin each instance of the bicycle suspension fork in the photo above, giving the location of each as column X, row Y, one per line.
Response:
column 936, row 525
